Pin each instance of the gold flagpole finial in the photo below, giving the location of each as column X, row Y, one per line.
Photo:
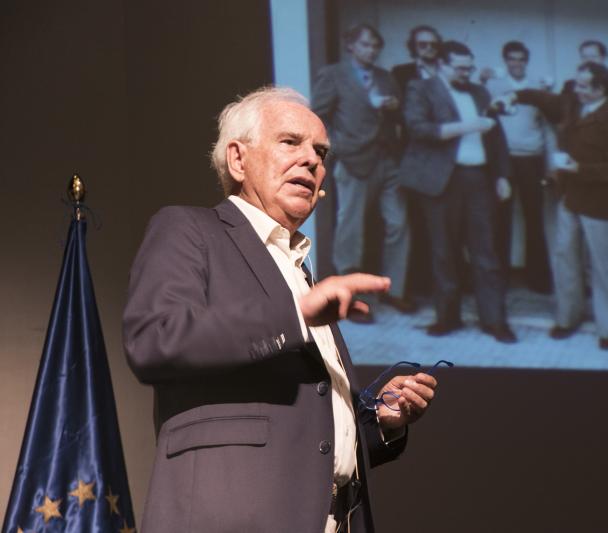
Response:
column 76, row 193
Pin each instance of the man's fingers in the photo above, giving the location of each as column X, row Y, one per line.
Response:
column 344, row 297
column 363, row 283
column 414, row 399
column 421, row 385
column 425, row 379
column 358, row 305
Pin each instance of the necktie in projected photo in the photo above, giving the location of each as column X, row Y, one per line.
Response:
column 71, row 473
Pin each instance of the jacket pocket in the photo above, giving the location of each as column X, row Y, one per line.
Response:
column 220, row 431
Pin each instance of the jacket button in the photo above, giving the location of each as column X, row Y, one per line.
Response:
column 322, row 388
column 324, row 446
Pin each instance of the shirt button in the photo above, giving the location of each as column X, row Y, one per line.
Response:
column 322, row 388
column 324, row 446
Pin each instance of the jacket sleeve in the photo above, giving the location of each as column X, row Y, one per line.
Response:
column 170, row 330
column 498, row 158
column 379, row 451
column 324, row 95
column 550, row 105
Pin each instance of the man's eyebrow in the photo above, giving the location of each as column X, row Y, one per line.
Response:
column 322, row 146
column 292, row 134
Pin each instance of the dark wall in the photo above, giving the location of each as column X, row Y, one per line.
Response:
column 501, row 451
column 125, row 92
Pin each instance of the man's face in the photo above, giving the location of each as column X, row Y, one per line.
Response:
column 283, row 166
column 427, row 46
column 516, row 63
column 591, row 53
column 587, row 94
column 458, row 70
column 365, row 49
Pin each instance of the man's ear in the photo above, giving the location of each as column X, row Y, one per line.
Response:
column 235, row 159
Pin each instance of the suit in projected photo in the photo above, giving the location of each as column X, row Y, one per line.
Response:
column 469, row 165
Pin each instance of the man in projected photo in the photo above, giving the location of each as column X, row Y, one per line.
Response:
column 423, row 46
column 359, row 104
column 590, row 50
column 457, row 159
column 582, row 214
column 261, row 424
column 526, row 132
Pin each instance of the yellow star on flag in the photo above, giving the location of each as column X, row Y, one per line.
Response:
column 50, row 509
column 126, row 529
column 113, row 500
column 84, row 492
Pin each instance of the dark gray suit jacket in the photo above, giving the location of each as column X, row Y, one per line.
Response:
column 429, row 161
column 359, row 133
column 242, row 402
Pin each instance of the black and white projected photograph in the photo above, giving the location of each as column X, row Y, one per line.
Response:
column 513, row 277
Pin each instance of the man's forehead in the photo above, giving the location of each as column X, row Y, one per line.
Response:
column 459, row 59
column 291, row 117
column 425, row 36
column 591, row 49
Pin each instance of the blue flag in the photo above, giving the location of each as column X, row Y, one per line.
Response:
column 71, row 474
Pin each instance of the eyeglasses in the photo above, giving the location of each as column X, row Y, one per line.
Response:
column 517, row 58
column 368, row 399
column 463, row 70
column 427, row 44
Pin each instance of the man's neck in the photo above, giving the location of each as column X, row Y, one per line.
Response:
column 426, row 64
column 518, row 79
column 362, row 66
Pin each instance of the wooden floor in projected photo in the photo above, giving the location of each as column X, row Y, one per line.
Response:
column 396, row 337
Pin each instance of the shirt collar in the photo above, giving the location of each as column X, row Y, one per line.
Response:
column 518, row 84
column 453, row 91
column 271, row 232
column 593, row 106
column 423, row 69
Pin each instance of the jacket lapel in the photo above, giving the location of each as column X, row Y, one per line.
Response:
column 443, row 95
column 347, row 73
column 599, row 114
column 253, row 250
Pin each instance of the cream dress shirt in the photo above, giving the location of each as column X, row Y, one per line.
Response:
column 289, row 254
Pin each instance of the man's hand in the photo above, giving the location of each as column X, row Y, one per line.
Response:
column 485, row 74
column 390, row 103
column 562, row 161
column 449, row 130
column 331, row 300
column 414, row 392
column 503, row 189
column 479, row 124
column 505, row 101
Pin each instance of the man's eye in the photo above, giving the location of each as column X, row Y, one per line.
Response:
column 290, row 142
column 322, row 153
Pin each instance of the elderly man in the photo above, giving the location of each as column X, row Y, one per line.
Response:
column 457, row 159
column 359, row 104
column 260, row 426
column 582, row 216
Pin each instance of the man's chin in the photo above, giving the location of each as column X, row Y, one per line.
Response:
column 299, row 210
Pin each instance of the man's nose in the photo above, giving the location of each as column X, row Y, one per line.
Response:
column 310, row 157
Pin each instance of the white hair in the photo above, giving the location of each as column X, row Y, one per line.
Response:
column 240, row 121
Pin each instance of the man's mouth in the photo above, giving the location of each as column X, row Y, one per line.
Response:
column 304, row 182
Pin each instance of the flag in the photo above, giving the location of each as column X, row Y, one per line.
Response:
column 71, row 474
